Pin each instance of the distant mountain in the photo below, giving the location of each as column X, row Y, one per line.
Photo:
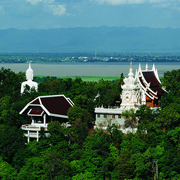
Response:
column 101, row 39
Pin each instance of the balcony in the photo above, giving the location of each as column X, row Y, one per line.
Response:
column 29, row 127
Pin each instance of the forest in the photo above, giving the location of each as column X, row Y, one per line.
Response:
column 80, row 152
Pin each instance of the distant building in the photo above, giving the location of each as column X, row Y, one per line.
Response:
column 144, row 88
column 29, row 82
column 42, row 110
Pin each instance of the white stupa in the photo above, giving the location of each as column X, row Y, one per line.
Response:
column 29, row 78
column 131, row 94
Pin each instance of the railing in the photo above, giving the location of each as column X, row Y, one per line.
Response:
column 110, row 107
column 31, row 127
column 34, row 135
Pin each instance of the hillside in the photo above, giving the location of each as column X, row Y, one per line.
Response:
column 101, row 39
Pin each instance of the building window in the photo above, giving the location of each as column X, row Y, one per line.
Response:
column 119, row 116
column 98, row 115
column 105, row 115
column 113, row 116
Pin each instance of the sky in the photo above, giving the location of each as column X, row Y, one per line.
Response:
column 49, row 14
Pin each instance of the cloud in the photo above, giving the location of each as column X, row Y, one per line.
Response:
column 34, row 2
column 1, row 10
column 118, row 2
column 57, row 10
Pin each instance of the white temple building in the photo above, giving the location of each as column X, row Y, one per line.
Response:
column 42, row 110
column 143, row 89
column 29, row 82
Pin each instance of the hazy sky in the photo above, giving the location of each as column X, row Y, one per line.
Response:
column 46, row 14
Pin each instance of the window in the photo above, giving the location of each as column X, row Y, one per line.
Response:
column 113, row 116
column 38, row 119
column 119, row 116
column 105, row 115
column 98, row 115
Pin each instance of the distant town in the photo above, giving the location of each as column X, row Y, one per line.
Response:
column 86, row 57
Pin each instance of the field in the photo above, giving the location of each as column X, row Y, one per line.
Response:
column 91, row 78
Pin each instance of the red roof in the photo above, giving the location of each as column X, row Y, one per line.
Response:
column 35, row 112
column 150, row 77
column 56, row 105
column 36, row 101
column 53, row 105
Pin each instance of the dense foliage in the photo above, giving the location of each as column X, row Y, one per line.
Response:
column 81, row 153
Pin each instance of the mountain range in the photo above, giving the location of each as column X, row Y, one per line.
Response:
column 82, row 40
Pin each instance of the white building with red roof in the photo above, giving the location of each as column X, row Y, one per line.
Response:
column 143, row 89
column 42, row 110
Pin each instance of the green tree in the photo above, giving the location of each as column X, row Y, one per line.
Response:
column 54, row 166
column 7, row 172
column 57, row 132
column 123, row 169
column 33, row 169
column 147, row 163
column 11, row 141
column 84, row 176
column 130, row 118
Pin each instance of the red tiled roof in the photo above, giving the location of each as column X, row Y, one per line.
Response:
column 36, row 101
column 159, row 90
column 35, row 112
column 56, row 105
column 150, row 77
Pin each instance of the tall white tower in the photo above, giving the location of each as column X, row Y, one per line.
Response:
column 130, row 91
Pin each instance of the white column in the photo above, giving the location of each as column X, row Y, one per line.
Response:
column 28, row 137
column 44, row 120
column 37, row 135
column 32, row 120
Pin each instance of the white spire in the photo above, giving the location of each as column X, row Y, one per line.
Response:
column 139, row 67
column 130, row 70
column 136, row 75
column 29, row 73
column 146, row 67
column 153, row 68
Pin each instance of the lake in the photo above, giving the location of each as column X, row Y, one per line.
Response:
column 89, row 69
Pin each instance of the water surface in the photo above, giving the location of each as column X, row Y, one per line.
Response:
column 89, row 69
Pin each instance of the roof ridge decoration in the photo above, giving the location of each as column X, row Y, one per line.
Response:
column 139, row 70
column 146, row 84
column 153, row 67
column 146, row 66
column 156, row 73
column 136, row 75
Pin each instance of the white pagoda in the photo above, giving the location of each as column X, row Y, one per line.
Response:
column 29, row 82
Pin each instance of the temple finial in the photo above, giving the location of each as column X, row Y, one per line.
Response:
column 131, row 70
column 131, row 64
column 146, row 67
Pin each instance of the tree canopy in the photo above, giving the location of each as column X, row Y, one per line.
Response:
column 80, row 152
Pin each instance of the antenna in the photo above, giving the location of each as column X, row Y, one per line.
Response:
column 95, row 54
